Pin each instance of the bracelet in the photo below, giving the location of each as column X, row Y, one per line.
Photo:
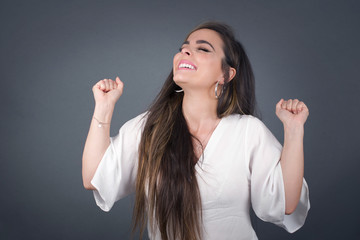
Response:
column 100, row 124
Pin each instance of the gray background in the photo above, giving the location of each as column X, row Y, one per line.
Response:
column 53, row 52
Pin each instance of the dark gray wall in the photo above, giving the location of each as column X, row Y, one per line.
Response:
column 52, row 52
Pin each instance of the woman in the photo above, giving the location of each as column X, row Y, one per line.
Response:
column 198, row 158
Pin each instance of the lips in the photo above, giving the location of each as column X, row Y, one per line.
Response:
column 186, row 65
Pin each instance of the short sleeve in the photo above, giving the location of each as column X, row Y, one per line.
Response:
column 115, row 175
column 266, row 179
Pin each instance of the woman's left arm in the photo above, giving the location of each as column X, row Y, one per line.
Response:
column 293, row 115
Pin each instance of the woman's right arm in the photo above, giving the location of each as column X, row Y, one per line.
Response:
column 106, row 93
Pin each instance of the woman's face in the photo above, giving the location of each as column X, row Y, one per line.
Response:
column 198, row 64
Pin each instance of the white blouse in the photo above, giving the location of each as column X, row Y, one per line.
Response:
column 240, row 167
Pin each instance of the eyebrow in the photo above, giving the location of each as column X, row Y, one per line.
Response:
column 200, row 42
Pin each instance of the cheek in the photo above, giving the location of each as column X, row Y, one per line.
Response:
column 213, row 61
column 176, row 59
column 214, row 66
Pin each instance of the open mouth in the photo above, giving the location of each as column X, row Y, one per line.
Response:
column 186, row 65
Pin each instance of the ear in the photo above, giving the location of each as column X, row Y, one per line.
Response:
column 232, row 73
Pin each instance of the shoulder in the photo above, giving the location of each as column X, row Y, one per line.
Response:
column 136, row 122
column 249, row 124
column 245, row 120
column 258, row 133
column 255, row 123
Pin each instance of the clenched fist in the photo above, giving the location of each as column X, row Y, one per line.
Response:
column 292, row 112
column 107, row 91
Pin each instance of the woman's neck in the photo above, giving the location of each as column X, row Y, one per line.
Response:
column 200, row 112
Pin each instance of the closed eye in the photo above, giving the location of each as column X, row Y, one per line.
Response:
column 200, row 48
column 203, row 49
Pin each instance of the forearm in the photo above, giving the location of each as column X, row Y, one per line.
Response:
column 97, row 141
column 292, row 164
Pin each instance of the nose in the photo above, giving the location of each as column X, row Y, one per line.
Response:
column 186, row 50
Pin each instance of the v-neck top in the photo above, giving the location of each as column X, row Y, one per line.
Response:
column 239, row 168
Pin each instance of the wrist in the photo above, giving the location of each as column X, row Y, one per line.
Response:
column 105, row 105
column 103, row 113
column 293, row 131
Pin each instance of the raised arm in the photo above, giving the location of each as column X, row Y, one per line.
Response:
column 293, row 114
column 106, row 93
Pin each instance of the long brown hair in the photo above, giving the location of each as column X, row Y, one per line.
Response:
column 167, row 192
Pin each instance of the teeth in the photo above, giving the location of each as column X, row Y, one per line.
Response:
column 185, row 65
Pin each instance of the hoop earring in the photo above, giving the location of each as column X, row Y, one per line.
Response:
column 216, row 92
column 180, row 90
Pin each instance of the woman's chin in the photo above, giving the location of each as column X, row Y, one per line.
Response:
column 180, row 81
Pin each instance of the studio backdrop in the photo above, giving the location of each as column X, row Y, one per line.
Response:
column 53, row 52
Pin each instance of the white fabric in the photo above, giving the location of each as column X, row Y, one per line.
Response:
column 240, row 167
